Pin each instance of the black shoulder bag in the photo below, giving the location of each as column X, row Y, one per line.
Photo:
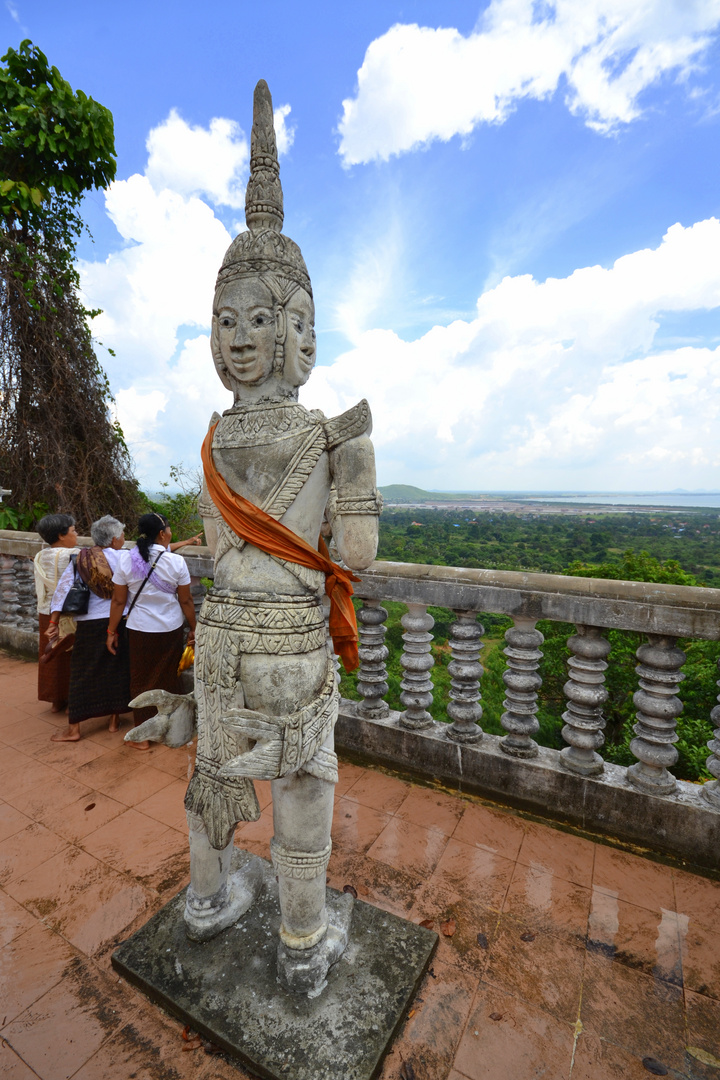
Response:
column 78, row 598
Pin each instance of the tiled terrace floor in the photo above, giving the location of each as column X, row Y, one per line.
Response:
column 568, row 958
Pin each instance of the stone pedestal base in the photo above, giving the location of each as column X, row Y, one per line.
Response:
column 227, row 988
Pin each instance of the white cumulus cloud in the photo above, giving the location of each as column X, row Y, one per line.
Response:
column 554, row 383
column 417, row 83
column 199, row 161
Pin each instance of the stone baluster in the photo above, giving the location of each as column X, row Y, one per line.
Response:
column 26, row 595
column 417, row 662
column 522, row 682
column 372, row 675
column 464, row 708
column 711, row 790
column 8, row 591
column 586, row 694
column 658, row 710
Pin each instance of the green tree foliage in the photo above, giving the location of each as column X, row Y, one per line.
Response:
column 58, row 444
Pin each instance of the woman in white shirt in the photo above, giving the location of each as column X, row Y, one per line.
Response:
column 156, row 585
column 99, row 681
column 58, row 532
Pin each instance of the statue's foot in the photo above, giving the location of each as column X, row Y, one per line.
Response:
column 207, row 916
column 304, row 971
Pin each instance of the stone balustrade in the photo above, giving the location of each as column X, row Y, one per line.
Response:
column 643, row 804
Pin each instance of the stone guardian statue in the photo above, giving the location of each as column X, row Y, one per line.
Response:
column 266, row 694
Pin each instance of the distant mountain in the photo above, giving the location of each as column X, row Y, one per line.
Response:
column 399, row 493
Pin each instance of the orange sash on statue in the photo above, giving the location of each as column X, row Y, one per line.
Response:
column 264, row 532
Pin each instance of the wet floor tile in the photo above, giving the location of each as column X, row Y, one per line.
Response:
column 62, row 756
column 14, row 920
column 29, row 966
column 509, row 1038
column 467, row 930
column 703, row 1036
column 475, row 873
column 138, row 784
column 11, row 821
column 433, row 1029
column 53, row 793
column 26, row 733
column 80, row 898
column 255, row 836
column 83, row 816
column 538, row 967
column 597, row 1059
column 379, row 791
column 179, row 763
column 642, row 939
column 642, row 1014
column 157, row 856
column 548, row 902
column 348, row 775
column 432, row 810
column 497, row 832
column 12, row 1067
column 698, row 898
column 408, row 847
column 633, row 879
column 91, row 1010
column 26, row 849
column 701, row 960
column 374, row 881
column 167, row 805
column 355, row 827
column 554, row 852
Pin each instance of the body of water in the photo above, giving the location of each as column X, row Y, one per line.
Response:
column 680, row 501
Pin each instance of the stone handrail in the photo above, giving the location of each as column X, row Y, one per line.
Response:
column 643, row 803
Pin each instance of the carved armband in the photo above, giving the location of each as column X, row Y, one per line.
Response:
column 359, row 504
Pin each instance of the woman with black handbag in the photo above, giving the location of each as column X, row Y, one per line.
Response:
column 99, row 681
column 157, row 584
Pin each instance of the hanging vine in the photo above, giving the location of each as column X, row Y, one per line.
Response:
column 59, row 445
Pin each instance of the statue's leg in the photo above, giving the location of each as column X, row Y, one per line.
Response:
column 216, row 897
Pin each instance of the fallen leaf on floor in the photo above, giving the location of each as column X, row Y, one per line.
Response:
column 187, row 1033
column 482, row 941
column 496, row 1016
column 90, row 806
column 448, row 928
column 527, row 936
column 210, row 1048
column 427, row 923
column 350, row 889
column 193, row 1044
column 407, row 1072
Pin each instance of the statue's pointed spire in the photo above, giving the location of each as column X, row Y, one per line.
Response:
column 263, row 197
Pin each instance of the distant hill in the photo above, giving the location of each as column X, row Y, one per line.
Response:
column 399, row 493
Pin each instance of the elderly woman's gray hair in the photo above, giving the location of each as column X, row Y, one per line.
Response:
column 105, row 529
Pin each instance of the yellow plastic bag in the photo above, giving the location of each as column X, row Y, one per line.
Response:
column 187, row 659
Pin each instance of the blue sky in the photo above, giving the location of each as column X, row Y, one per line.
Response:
column 509, row 212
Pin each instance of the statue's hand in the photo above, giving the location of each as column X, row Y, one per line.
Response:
column 263, row 761
column 174, row 724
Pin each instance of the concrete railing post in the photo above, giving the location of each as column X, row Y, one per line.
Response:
column 372, row 675
column 464, row 708
column 417, row 662
column 711, row 790
column 522, row 682
column 586, row 694
column 658, row 710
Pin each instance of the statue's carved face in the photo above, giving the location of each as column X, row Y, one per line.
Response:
column 245, row 325
column 300, row 345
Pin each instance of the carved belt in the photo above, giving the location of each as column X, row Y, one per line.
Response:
column 283, row 626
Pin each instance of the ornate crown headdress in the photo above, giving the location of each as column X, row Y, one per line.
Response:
column 263, row 250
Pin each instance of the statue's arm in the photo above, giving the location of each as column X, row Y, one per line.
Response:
column 355, row 520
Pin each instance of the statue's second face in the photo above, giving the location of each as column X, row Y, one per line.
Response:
column 246, row 331
column 300, row 344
